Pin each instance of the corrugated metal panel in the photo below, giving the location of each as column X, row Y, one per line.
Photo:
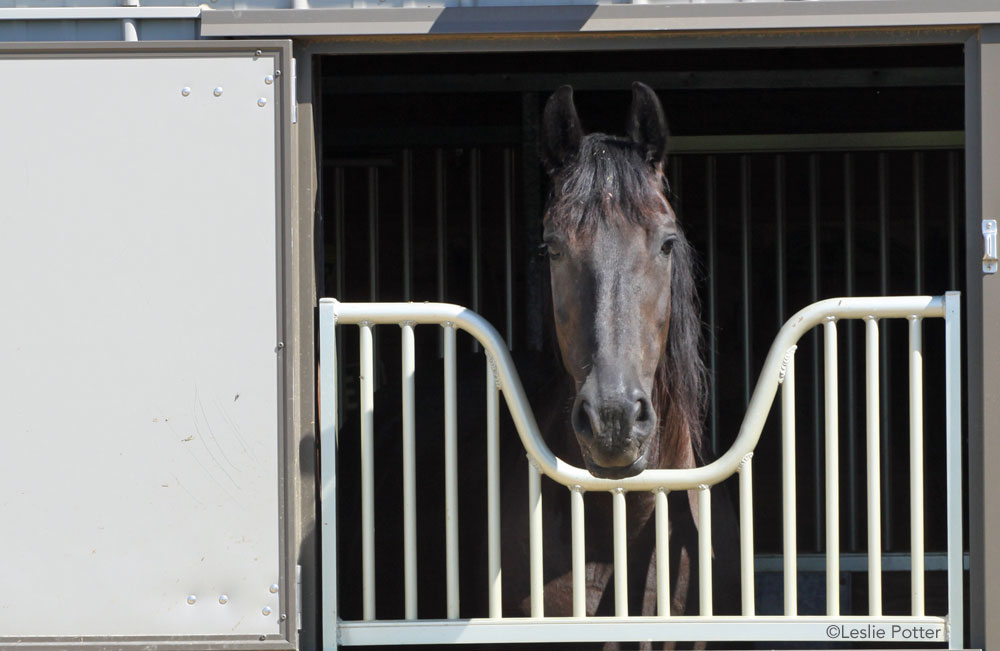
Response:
column 96, row 20
column 38, row 31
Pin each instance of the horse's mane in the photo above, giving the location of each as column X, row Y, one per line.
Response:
column 681, row 389
column 612, row 178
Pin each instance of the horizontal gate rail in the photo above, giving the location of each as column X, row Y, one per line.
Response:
column 905, row 630
column 778, row 369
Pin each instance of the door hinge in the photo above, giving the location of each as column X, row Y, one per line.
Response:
column 989, row 246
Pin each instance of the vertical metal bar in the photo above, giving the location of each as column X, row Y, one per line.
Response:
column 440, row 206
column 831, row 414
column 814, row 294
column 536, row 578
column 508, row 214
column 779, row 228
column 662, row 554
column 373, row 234
column 916, row 468
column 579, row 553
column 409, row 474
column 852, row 479
column 531, row 210
column 338, row 220
column 129, row 31
column 710, row 182
column 407, row 213
column 953, row 436
column 620, row 553
column 328, row 426
column 886, row 404
column 450, row 472
column 367, row 473
column 493, row 487
column 789, row 542
column 475, row 161
column 705, row 550
column 745, row 258
column 918, row 222
column 952, row 219
column 373, row 214
column 340, row 265
column 746, row 535
column 874, row 508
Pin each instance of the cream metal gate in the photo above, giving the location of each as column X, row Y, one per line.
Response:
column 778, row 370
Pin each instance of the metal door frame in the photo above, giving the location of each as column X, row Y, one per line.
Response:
column 294, row 318
column 982, row 65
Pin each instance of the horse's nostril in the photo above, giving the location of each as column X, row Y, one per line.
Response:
column 643, row 410
column 581, row 419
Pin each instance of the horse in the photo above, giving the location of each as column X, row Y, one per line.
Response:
column 629, row 395
column 628, row 327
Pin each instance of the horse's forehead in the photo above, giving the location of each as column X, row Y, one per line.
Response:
column 614, row 229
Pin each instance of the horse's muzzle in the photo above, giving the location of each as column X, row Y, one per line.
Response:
column 613, row 432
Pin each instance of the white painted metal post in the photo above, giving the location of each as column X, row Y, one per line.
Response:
column 367, row 473
column 536, row 578
column 493, row 488
column 620, row 553
column 874, row 486
column 662, row 554
column 832, row 469
column 409, row 475
column 953, row 436
column 579, row 553
column 916, row 468
column 130, row 31
column 328, row 396
column 789, row 540
column 746, row 535
column 450, row 472
column 705, row 550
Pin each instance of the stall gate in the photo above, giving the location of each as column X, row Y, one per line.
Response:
column 778, row 371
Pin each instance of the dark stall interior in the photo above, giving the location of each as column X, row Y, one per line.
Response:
column 798, row 175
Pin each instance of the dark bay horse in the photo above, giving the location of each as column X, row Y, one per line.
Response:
column 629, row 395
column 628, row 326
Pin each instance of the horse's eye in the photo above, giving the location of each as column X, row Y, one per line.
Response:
column 554, row 253
column 668, row 245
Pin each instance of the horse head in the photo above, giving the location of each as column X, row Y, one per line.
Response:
column 622, row 290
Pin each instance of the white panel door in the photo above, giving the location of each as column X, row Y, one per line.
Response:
column 140, row 410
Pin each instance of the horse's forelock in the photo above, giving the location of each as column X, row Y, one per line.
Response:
column 610, row 179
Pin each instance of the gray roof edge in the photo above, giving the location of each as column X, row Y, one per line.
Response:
column 595, row 19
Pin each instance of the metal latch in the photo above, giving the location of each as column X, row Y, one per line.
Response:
column 989, row 246
column 298, row 597
column 295, row 93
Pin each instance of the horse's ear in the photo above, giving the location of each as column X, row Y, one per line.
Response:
column 561, row 130
column 647, row 125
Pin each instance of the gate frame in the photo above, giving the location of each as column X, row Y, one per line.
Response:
column 777, row 371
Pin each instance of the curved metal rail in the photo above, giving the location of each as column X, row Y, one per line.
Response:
column 778, row 370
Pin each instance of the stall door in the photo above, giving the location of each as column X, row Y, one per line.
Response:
column 142, row 222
